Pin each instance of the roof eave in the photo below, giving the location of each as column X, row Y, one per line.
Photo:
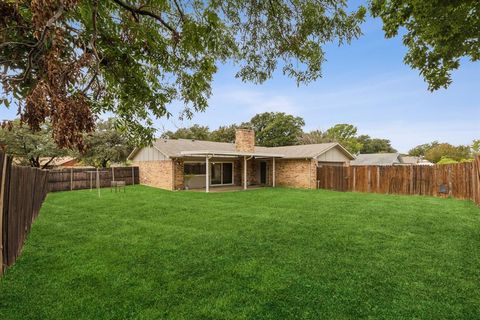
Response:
column 228, row 153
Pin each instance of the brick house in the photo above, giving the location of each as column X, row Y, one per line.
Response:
column 176, row 164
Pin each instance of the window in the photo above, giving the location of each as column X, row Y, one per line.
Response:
column 221, row 173
column 194, row 168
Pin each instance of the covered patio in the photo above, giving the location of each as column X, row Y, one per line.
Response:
column 219, row 169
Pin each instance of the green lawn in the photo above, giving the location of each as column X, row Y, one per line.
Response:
column 260, row 254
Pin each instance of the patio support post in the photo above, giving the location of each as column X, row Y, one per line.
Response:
column 207, row 175
column 273, row 176
column 245, row 172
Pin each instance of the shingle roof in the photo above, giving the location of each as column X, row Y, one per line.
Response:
column 410, row 159
column 58, row 161
column 175, row 147
column 305, row 150
column 415, row 160
column 379, row 159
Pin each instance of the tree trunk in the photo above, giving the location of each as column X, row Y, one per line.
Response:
column 34, row 162
column 104, row 163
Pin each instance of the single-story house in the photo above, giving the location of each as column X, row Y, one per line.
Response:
column 387, row 159
column 176, row 164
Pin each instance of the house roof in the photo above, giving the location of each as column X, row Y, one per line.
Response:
column 175, row 148
column 410, row 159
column 309, row 150
column 58, row 161
column 415, row 160
column 377, row 159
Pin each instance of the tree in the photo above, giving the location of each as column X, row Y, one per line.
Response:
column 420, row 150
column 29, row 147
column 346, row 135
column 224, row 134
column 69, row 60
column 476, row 147
column 106, row 145
column 274, row 129
column 375, row 145
column 314, row 137
column 446, row 160
column 446, row 150
column 438, row 34
column 195, row 132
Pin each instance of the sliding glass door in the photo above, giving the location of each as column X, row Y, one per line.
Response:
column 216, row 173
column 221, row 173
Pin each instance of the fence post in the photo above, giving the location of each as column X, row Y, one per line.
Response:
column 411, row 179
column 2, row 194
column 133, row 176
column 378, row 179
column 476, row 179
column 113, row 173
column 98, row 183
column 369, row 174
column 449, row 180
column 71, row 179
column 354, row 179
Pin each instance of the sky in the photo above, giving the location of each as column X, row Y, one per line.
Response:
column 365, row 84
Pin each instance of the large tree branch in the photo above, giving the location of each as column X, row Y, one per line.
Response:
column 17, row 43
column 47, row 163
column 143, row 12
column 179, row 9
column 93, row 43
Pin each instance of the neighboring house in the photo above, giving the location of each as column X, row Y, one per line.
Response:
column 48, row 163
column 412, row 160
column 387, row 159
column 58, row 162
column 179, row 164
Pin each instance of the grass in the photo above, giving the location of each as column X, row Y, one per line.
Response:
column 260, row 254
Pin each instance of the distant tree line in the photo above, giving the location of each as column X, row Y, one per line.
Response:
column 445, row 153
column 110, row 144
column 274, row 129
column 103, row 147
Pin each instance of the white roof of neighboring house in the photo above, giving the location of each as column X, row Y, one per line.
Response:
column 415, row 160
column 176, row 148
column 388, row 159
column 377, row 159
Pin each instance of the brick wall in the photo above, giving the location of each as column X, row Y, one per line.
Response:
column 156, row 173
column 245, row 140
column 168, row 174
column 296, row 173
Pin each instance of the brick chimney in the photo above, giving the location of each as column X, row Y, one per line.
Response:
column 245, row 140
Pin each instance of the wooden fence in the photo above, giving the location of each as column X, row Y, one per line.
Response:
column 86, row 178
column 460, row 180
column 22, row 191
